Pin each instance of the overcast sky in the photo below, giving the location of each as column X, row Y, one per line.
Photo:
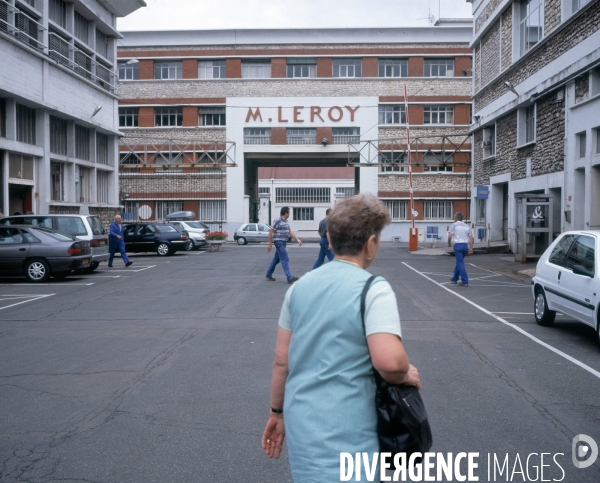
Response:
column 227, row 14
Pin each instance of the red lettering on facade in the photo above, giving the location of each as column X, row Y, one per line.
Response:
column 297, row 113
column 279, row 116
column 315, row 111
column 254, row 115
column 352, row 111
column 340, row 112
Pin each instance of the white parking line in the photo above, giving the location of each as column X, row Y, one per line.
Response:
column 31, row 298
column 57, row 285
column 514, row 313
column 512, row 326
column 139, row 268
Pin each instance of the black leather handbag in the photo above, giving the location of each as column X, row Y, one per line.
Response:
column 402, row 424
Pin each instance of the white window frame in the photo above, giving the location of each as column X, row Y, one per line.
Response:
column 297, row 68
column 347, row 68
column 488, row 145
column 392, row 114
column 597, row 141
column 208, row 68
column 168, row 70
column 581, row 145
column 288, row 195
column 163, row 208
column 102, row 187
column 522, row 22
column 433, row 162
column 438, row 111
column 303, row 213
column 168, row 114
column 211, row 116
column 257, row 135
column 212, row 210
column 57, row 181
column 129, row 116
column 295, row 135
column 480, row 211
column 432, row 209
column 398, row 209
column 398, row 165
column 524, row 125
column 256, row 70
column 128, row 72
column 393, row 68
column 434, row 67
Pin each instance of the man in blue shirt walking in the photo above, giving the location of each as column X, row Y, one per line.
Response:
column 461, row 235
column 116, row 242
column 323, row 242
column 278, row 236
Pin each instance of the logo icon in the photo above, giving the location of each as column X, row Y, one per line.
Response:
column 584, row 447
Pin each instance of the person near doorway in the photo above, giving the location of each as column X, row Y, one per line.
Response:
column 116, row 242
column 461, row 234
column 278, row 236
column 324, row 242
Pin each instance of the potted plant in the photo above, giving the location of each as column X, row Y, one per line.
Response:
column 216, row 238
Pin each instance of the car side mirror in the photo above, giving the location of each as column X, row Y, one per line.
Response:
column 581, row 270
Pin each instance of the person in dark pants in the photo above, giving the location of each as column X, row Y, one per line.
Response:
column 278, row 236
column 460, row 233
column 116, row 242
column 324, row 242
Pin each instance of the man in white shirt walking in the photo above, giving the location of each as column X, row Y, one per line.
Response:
column 461, row 234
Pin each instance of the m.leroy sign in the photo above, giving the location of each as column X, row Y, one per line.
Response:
column 299, row 114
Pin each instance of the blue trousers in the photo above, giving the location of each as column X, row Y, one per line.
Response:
column 324, row 252
column 460, row 252
column 280, row 256
column 117, row 247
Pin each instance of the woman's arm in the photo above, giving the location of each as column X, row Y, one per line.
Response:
column 274, row 434
column 390, row 360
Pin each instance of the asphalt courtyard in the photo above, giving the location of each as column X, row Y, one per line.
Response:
column 161, row 372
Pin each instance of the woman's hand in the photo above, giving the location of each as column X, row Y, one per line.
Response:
column 272, row 439
column 412, row 377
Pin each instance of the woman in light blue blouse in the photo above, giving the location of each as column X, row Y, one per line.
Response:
column 322, row 388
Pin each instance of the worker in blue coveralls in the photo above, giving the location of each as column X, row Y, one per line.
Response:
column 116, row 242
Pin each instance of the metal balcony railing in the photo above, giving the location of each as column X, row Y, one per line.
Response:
column 257, row 139
column 301, row 139
column 24, row 27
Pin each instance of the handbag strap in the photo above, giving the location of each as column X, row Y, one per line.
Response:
column 363, row 298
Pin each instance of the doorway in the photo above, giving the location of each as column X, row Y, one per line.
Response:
column 19, row 199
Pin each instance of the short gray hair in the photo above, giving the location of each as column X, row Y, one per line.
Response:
column 458, row 215
column 117, row 215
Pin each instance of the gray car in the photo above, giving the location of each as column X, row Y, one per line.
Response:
column 252, row 233
column 196, row 230
column 39, row 252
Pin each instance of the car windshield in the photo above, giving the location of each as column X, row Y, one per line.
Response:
column 70, row 225
column 96, row 225
column 166, row 229
column 54, row 234
column 197, row 224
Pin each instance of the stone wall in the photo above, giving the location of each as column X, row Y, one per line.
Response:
column 435, row 182
column 506, row 39
column 580, row 28
column 552, row 15
column 193, row 88
column 582, row 88
column 199, row 135
column 107, row 215
column 487, row 11
column 171, row 186
column 490, row 54
column 399, row 132
column 477, row 66
column 63, row 210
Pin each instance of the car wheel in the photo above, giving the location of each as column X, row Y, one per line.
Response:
column 242, row 241
column 61, row 275
column 190, row 246
column 163, row 250
column 543, row 316
column 93, row 266
column 37, row 270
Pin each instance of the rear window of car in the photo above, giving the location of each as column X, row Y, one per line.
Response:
column 197, row 224
column 70, row 225
column 96, row 225
column 45, row 221
column 166, row 229
column 54, row 234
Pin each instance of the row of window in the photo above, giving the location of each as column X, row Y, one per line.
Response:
column 215, row 116
column 432, row 162
column 526, row 130
column 432, row 210
column 340, row 135
column 581, row 143
column 295, row 68
column 209, row 210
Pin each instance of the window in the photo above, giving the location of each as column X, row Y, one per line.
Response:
column 526, row 125
column 102, row 178
column 489, row 141
column 397, row 209
column 260, row 69
column 27, row 28
column 128, row 116
column 301, row 136
column 345, row 135
column 393, row 114
column 264, row 191
column 580, row 144
column 102, row 148
column 213, row 210
column 83, row 63
column 167, row 70
column 531, row 24
column 168, row 116
column 211, row 116
column 302, row 67
column 101, row 43
column 348, row 192
column 582, row 253
column 211, row 69
column 395, row 160
column 2, row 118
column 557, row 257
column 20, row 167
column 577, row 4
column 304, row 214
column 58, row 135
column 129, row 71
column 347, row 68
column 82, row 142
column 302, row 195
column 82, row 28
column 598, row 141
column 59, row 48
column 58, row 12
column 439, row 67
column 393, row 68
column 439, row 168
column 25, row 124
column 438, row 210
column 10, row 236
column 82, row 184
column 253, row 135
column 163, row 208
column 439, row 115
column 436, row 162
column 480, row 207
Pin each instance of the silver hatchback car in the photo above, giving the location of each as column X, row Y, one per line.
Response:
column 251, row 233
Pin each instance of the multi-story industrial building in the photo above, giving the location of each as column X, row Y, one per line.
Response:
column 58, row 105
column 537, row 128
column 202, row 111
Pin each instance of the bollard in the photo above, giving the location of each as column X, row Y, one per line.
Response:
column 413, row 240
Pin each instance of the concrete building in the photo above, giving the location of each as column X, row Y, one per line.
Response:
column 537, row 128
column 203, row 111
column 58, row 105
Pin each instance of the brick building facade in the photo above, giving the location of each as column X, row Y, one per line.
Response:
column 295, row 98
column 535, row 103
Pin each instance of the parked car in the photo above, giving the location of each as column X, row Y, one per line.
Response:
column 39, row 252
column 196, row 231
column 567, row 280
column 84, row 227
column 162, row 238
column 251, row 233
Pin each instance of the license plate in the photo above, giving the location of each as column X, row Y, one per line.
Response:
column 85, row 261
column 102, row 242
